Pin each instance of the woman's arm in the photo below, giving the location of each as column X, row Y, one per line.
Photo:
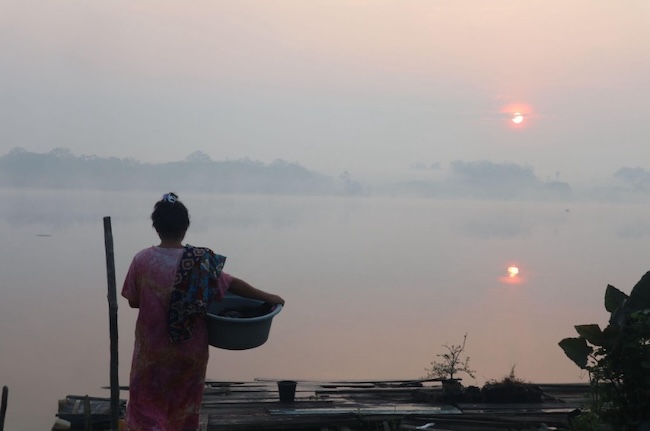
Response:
column 241, row 288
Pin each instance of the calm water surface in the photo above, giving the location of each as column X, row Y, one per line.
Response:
column 374, row 286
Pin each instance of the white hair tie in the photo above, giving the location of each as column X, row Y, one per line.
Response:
column 170, row 197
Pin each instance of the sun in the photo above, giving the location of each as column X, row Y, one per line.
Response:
column 517, row 114
column 513, row 275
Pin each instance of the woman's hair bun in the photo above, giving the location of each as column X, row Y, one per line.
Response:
column 170, row 217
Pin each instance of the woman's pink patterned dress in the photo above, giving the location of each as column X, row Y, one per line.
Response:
column 167, row 379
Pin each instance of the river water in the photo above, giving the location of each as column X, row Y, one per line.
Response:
column 374, row 286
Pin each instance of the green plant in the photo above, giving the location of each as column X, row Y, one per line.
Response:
column 451, row 363
column 587, row 421
column 511, row 389
column 510, row 379
column 617, row 358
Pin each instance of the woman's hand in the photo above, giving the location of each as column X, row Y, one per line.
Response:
column 274, row 299
column 241, row 288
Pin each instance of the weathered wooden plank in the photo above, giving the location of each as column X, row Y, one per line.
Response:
column 270, row 423
column 489, row 422
column 515, row 408
column 343, row 382
column 370, row 410
column 203, row 422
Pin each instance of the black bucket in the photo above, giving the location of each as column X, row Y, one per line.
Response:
column 287, row 390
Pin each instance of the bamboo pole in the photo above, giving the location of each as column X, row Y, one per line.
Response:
column 112, row 309
column 3, row 408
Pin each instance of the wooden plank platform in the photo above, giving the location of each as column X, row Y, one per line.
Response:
column 76, row 410
column 380, row 405
column 389, row 405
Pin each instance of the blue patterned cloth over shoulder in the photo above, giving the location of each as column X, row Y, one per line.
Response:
column 195, row 286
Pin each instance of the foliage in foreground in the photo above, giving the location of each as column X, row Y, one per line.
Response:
column 617, row 358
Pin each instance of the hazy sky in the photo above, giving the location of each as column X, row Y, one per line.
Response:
column 372, row 87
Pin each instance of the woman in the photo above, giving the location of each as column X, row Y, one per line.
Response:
column 172, row 285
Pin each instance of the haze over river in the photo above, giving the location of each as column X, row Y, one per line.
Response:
column 374, row 286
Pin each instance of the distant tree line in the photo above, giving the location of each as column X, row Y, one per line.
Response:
column 483, row 179
column 60, row 169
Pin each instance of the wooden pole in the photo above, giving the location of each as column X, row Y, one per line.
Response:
column 112, row 310
column 88, row 415
column 3, row 408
